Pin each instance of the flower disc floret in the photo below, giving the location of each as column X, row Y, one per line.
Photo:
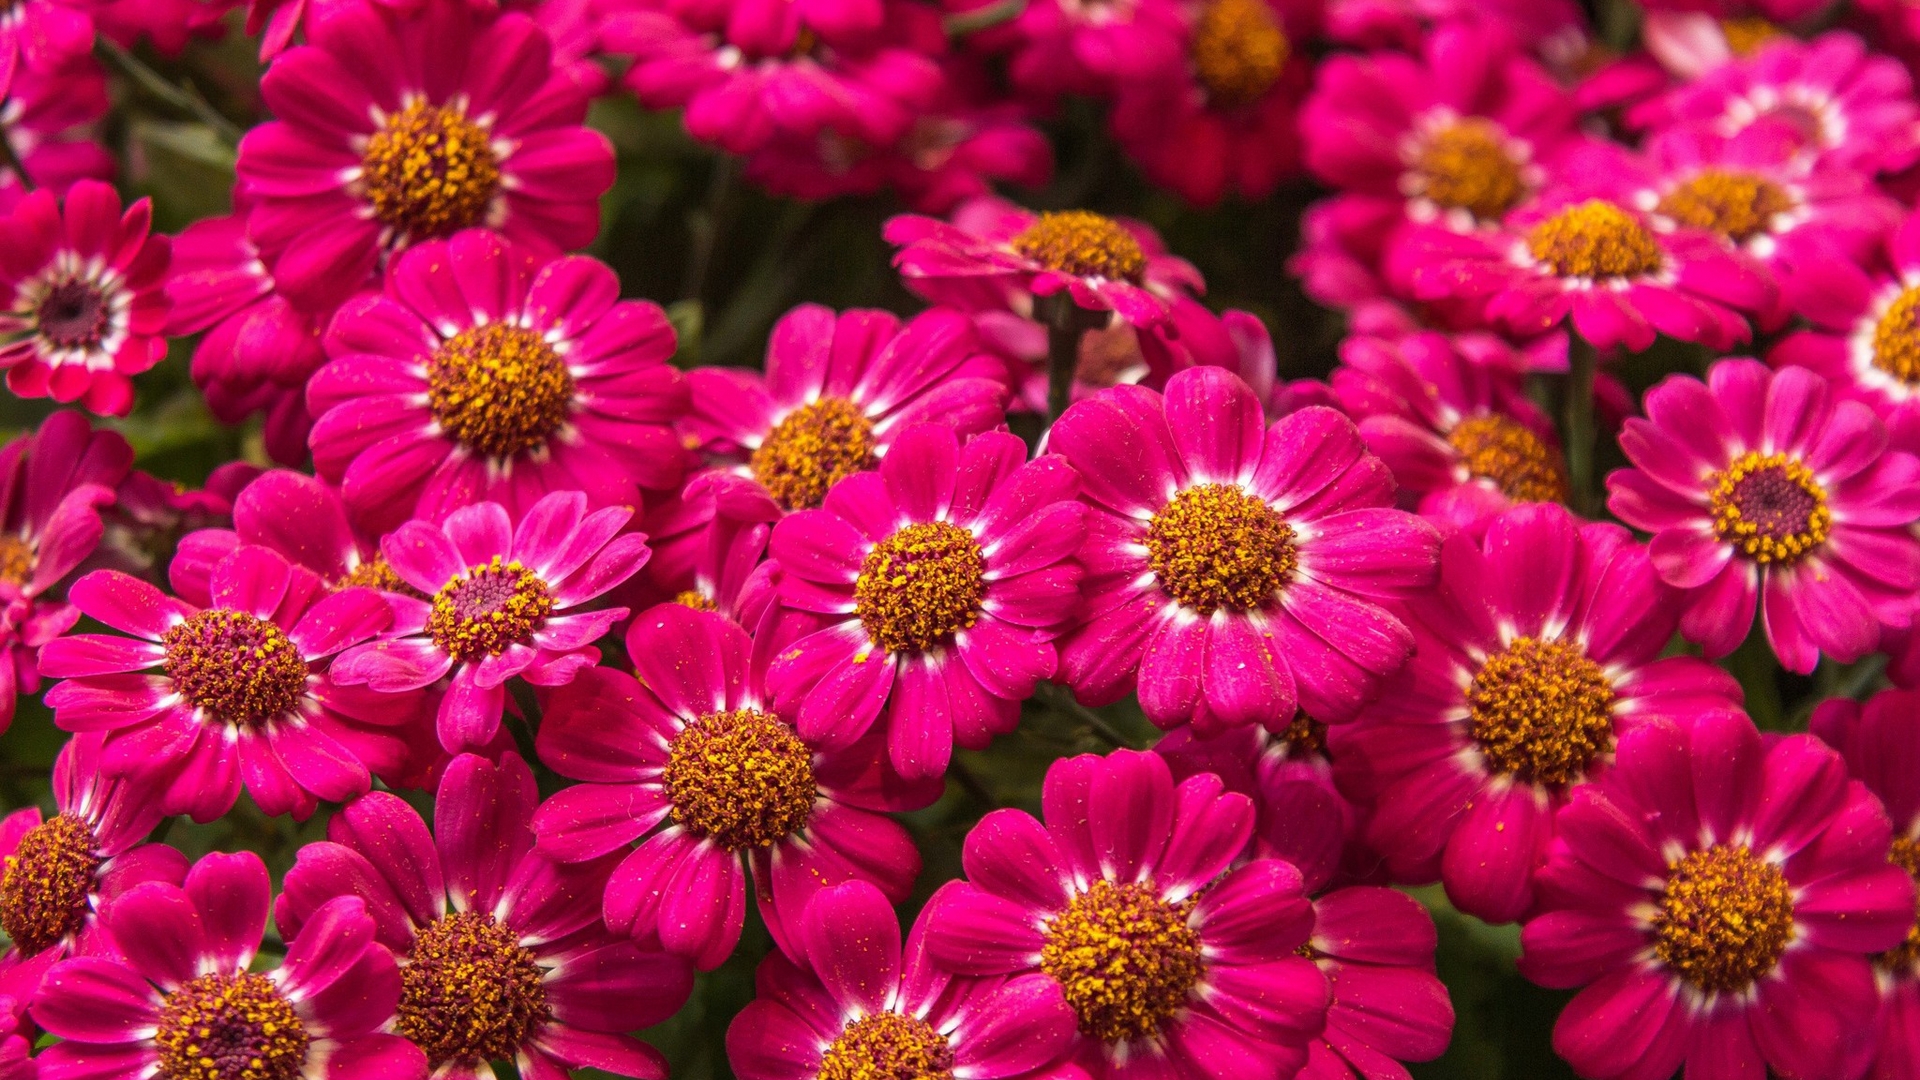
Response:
column 1305, row 736
column 1508, row 453
column 498, row 389
column 1465, row 165
column 230, row 1027
column 488, row 608
column 49, row 880
column 888, row 1046
column 1125, row 959
column 237, row 668
column 1896, row 337
column 741, row 778
column 74, row 314
column 1541, row 710
column 430, row 171
column 1217, row 545
column 920, row 586
column 812, row 448
column 1738, row 206
column 469, row 991
column 1594, row 239
column 1905, row 854
column 1238, row 51
column 1746, row 33
column 378, row 574
column 1083, row 244
column 17, row 559
column 1724, row 917
column 1770, row 507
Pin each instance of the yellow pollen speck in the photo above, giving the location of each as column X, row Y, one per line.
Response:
column 1217, row 545
column 812, row 448
column 695, row 599
column 378, row 574
column 1595, row 239
column 1124, row 958
column 1509, row 455
column 741, row 778
column 236, row 668
column 469, row 991
column 1724, row 917
column 1238, row 51
column 888, row 1046
column 17, row 559
column 430, row 171
column 920, row 586
column 49, row 881
column 230, row 1027
column 1541, row 711
column 1746, row 33
column 488, row 608
column 1083, row 244
column 499, row 390
column 1738, row 206
column 1305, row 736
column 1905, row 957
column 1896, row 337
column 1769, row 507
column 1466, row 166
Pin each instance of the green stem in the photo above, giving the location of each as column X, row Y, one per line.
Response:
column 1061, row 698
column 1067, row 323
column 184, row 98
column 1582, row 364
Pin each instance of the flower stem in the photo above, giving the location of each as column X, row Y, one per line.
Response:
column 1582, row 363
column 1067, row 322
column 185, row 98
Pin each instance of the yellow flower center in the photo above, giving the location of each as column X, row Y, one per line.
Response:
column 1724, row 917
column 1904, row 958
column 1305, row 736
column 1746, row 33
column 1541, row 710
column 1738, row 206
column 469, row 992
column 1217, row 546
column 45, row 893
column 491, row 606
column 695, row 599
column 1509, row 455
column 1595, row 239
column 1238, row 51
column 1770, row 507
column 498, row 389
column 378, row 574
column 430, row 171
column 812, row 448
column 888, row 1046
column 1083, row 244
column 741, row 778
column 1124, row 958
column 17, row 560
column 1466, row 166
column 234, row 667
column 230, row 1027
column 1896, row 337
column 920, row 586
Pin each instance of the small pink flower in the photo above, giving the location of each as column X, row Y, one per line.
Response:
column 50, row 120
column 1059, row 47
column 709, row 547
column 41, row 36
column 1375, row 946
column 298, row 517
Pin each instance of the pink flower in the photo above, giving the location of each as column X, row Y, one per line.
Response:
column 503, row 957
column 1234, row 569
column 241, row 695
column 1539, row 648
column 709, row 546
column 1059, row 47
column 856, row 1003
column 485, row 374
column 1760, row 489
column 1375, row 946
column 1717, row 897
column 930, row 592
column 88, row 307
column 497, row 600
column 182, row 988
column 463, row 122
column 837, row 393
column 1124, row 899
column 695, row 764
column 298, row 517
column 50, row 120
column 42, row 36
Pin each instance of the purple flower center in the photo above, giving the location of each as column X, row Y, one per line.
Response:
column 470, row 992
column 1507, row 453
column 499, row 390
column 1218, row 546
column 888, row 1046
column 1125, row 959
column 73, row 315
column 230, row 1027
column 430, row 171
column 1738, row 206
column 1238, row 51
column 49, row 883
column 920, row 586
column 1769, row 507
column 1466, row 165
column 812, row 448
column 235, row 667
column 1541, row 711
column 1904, row 959
column 742, row 778
column 1724, row 917
column 488, row 608
column 1896, row 337
column 1595, row 240
column 1083, row 244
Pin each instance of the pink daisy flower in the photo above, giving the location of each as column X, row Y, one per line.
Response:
column 1234, row 569
column 1761, row 490
column 717, row 786
column 298, row 517
column 1173, row 963
column 41, row 36
column 933, row 590
column 88, row 308
column 50, row 119
column 497, row 600
column 1717, row 898
column 464, row 122
column 483, row 374
column 502, row 955
column 993, row 255
column 856, row 1002
column 1059, row 47
column 241, row 694
column 182, row 989
column 17, row 1037
column 1375, row 946
column 1539, row 647
column 709, row 549
column 837, row 392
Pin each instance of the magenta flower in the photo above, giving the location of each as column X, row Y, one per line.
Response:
column 855, row 1003
column 503, row 957
column 241, row 694
column 837, row 392
column 1234, row 569
column 709, row 549
column 88, row 307
column 463, row 122
column 298, row 517
column 1124, row 899
column 482, row 374
column 694, row 763
column 1537, row 650
column 181, row 989
column 933, row 590
column 1057, row 47
column 1761, row 490
column 51, row 119
column 1375, row 946
column 1717, row 897
column 41, row 36
column 496, row 600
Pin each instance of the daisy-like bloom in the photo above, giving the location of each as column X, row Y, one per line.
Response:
column 502, row 955
column 180, row 999
column 463, row 123
column 994, row 255
column 934, row 589
column 1718, row 897
column 495, row 600
column 1093, row 48
column 1228, row 125
column 1537, row 650
column 202, row 700
column 1234, row 569
column 484, row 373
column 855, row 1003
column 41, row 36
column 1173, row 964
column 88, row 307
column 1763, row 491
column 59, row 871
column 694, row 762
column 837, row 392
column 17, row 1037
column 1461, row 436
column 50, row 119
column 300, row 518
column 709, row 547
column 1375, row 946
